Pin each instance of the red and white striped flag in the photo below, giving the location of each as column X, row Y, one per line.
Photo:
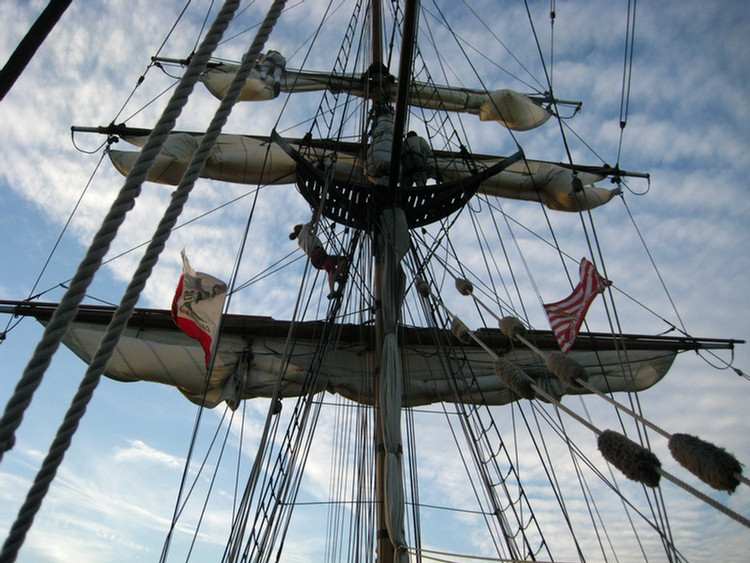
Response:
column 566, row 316
column 197, row 305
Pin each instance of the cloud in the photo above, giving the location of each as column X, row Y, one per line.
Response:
column 685, row 126
column 138, row 452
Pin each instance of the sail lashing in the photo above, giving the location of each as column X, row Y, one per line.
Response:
column 248, row 159
column 509, row 108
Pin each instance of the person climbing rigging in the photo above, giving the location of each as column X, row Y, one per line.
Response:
column 273, row 65
column 414, row 156
column 319, row 258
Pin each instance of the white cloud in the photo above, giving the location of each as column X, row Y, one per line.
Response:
column 686, row 127
column 138, row 452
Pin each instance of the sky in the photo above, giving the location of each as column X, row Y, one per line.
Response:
column 114, row 494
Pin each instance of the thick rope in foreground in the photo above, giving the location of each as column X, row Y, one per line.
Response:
column 88, row 267
column 117, row 325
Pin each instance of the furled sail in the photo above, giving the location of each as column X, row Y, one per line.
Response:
column 509, row 108
column 250, row 352
column 249, row 159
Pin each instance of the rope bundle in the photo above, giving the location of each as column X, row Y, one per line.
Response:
column 461, row 331
column 710, row 463
column 464, row 286
column 515, row 378
column 636, row 462
column 512, row 327
column 566, row 369
column 423, row 288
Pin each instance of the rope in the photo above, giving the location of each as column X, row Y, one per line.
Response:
column 549, row 84
column 681, row 329
column 486, row 445
column 88, row 268
column 720, row 507
column 65, row 227
column 705, row 498
column 639, row 418
column 151, row 65
column 580, row 381
column 11, row 325
column 124, row 202
column 739, row 518
column 257, row 277
column 627, row 504
column 583, row 383
column 277, row 493
column 433, row 556
column 198, row 475
column 627, row 75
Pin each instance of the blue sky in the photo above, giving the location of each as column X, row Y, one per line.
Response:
column 687, row 127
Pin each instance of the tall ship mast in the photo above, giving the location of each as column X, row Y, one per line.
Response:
column 405, row 319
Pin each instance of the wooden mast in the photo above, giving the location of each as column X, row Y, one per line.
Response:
column 379, row 93
column 386, row 547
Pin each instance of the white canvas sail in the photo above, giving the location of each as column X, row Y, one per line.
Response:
column 249, row 159
column 509, row 108
column 250, row 357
